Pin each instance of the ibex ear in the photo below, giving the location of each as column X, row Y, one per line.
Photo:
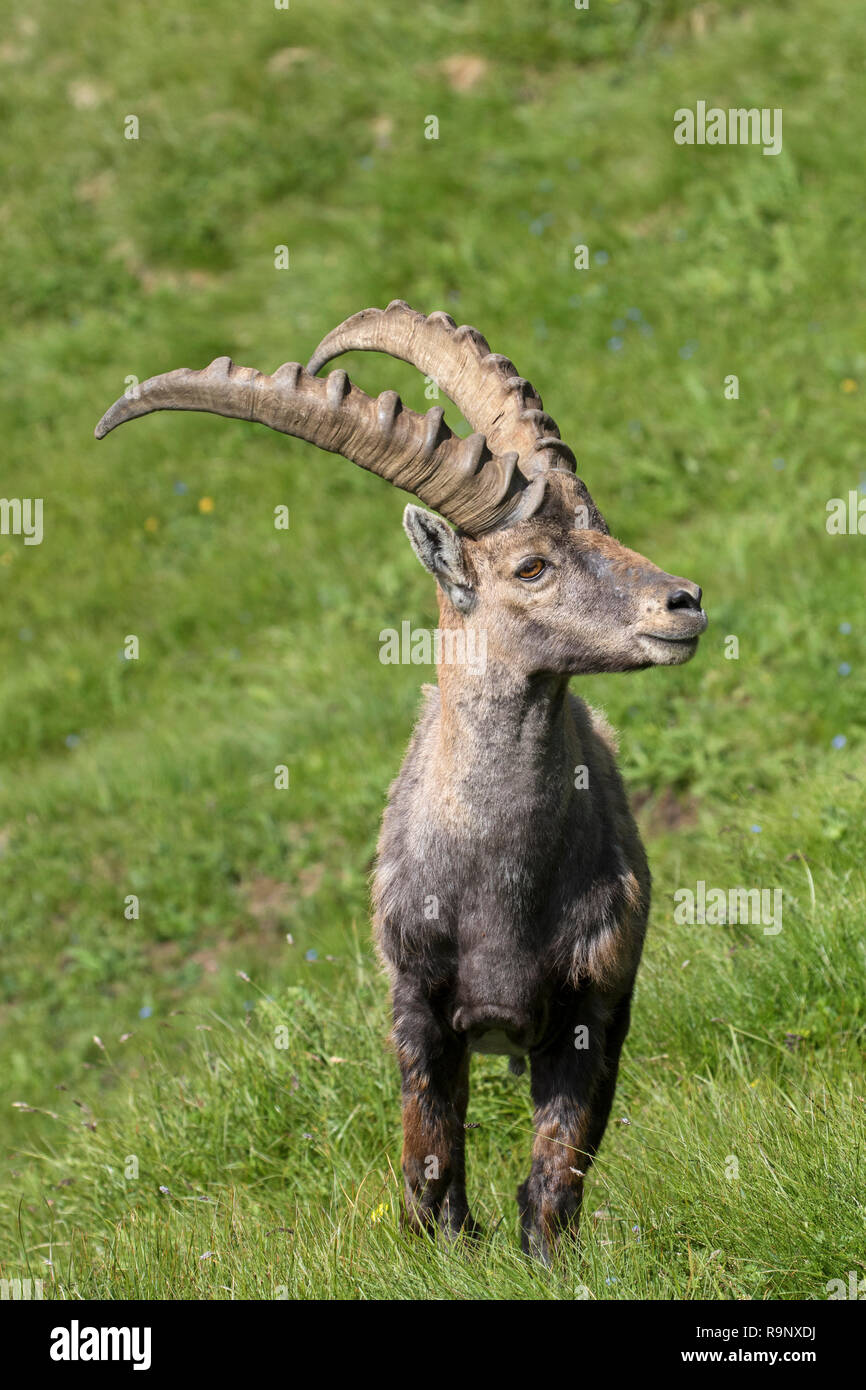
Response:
column 440, row 550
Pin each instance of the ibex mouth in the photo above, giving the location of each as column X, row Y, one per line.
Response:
column 674, row 648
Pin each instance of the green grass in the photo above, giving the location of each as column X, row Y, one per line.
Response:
column 259, row 647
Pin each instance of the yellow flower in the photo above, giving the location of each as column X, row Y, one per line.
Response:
column 379, row 1212
column 849, row 386
column 151, row 524
column 205, row 504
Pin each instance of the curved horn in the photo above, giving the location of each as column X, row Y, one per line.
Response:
column 475, row 489
column 484, row 385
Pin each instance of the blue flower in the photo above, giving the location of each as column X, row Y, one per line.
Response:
column 839, row 741
column 311, row 955
column 756, row 829
column 601, row 258
column 615, row 344
column 145, row 1012
column 844, row 668
column 538, row 225
column 845, row 628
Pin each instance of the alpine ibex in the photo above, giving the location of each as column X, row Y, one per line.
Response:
column 511, row 890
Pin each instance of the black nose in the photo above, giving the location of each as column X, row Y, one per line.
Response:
column 685, row 598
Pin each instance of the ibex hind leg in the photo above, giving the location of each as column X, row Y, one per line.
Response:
column 434, row 1065
column 615, row 1036
column 455, row 1218
column 568, row 1077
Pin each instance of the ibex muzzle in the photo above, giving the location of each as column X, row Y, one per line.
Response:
column 511, row 890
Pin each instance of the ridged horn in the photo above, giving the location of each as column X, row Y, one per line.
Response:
column 484, row 386
column 462, row 479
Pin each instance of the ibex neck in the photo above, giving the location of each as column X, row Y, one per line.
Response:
column 505, row 738
column 501, row 708
column 501, row 775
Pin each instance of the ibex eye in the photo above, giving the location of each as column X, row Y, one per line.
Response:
column 531, row 569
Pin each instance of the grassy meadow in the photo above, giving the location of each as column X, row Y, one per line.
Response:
column 199, row 1101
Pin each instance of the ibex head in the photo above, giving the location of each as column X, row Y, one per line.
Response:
column 531, row 561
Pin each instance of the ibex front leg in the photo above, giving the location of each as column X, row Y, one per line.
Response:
column 434, row 1065
column 567, row 1077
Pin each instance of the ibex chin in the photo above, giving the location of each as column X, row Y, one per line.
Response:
column 511, row 890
